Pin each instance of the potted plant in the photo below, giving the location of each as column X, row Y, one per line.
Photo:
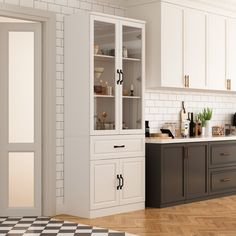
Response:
column 207, row 115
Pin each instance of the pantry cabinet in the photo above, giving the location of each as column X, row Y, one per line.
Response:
column 188, row 47
column 104, row 118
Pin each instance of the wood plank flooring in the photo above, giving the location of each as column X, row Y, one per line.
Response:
column 207, row 218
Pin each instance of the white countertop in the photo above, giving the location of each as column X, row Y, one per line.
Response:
column 190, row 140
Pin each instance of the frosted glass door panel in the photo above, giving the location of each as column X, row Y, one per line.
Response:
column 21, row 179
column 21, row 87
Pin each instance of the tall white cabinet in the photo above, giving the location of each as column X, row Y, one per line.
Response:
column 104, row 115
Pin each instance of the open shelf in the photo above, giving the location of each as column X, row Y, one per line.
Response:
column 103, row 96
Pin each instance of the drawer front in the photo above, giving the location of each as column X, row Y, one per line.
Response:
column 223, row 155
column 223, row 181
column 117, row 146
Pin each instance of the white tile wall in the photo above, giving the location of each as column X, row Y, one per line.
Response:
column 62, row 8
column 164, row 106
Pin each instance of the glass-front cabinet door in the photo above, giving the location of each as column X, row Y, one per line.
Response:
column 104, row 75
column 132, row 77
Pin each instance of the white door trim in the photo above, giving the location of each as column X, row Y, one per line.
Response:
column 48, row 21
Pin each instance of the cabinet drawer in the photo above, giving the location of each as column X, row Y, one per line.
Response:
column 223, row 181
column 103, row 147
column 223, row 155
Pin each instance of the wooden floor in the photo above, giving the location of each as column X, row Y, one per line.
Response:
column 207, row 218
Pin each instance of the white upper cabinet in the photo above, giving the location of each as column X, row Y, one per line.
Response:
column 171, row 46
column 231, row 54
column 195, row 48
column 216, row 52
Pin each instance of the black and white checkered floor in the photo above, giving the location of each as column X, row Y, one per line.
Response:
column 35, row 226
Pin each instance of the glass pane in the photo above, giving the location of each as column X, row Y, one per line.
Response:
column 132, row 77
column 104, row 76
column 21, row 87
column 21, row 179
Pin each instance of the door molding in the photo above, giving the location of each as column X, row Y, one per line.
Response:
column 48, row 21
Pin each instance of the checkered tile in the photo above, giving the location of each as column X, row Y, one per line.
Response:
column 36, row 226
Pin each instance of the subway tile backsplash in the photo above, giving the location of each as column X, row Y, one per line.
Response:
column 164, row 106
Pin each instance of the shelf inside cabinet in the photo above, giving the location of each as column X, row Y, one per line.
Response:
column 102, row 57
column 103, row 96
column 132, row 97
column 131, row 59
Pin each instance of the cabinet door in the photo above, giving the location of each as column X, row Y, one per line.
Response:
column 231, row 52
column 171, row 46
column 216, row 52
column 132, row 77
column 104, row 184
column 173, row 178
column 196, row 170
column 195, row 48
column 104, row 76
column 133, row 173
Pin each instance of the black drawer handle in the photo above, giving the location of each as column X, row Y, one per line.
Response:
column 225, row 154
column 119, row 186
column 225, row 180
column 119, row 146
column 122, row 184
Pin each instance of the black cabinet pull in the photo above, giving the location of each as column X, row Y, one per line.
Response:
column 119, row 146
column 225, row 154
column 122, row 183
column 119, row 186
column 122, row 77
column 225, row 180
column 118, row 72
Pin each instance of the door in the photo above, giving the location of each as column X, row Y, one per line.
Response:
column 195, row 48
column 173, row 177
column 132, row 38
column 197, row 170
column 231, row 53
column 104, row 184
column 104, row 75
column 216, row 52
column 171, row 46
column 20, row 120
column 133, row 172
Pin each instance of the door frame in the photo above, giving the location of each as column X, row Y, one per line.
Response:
column 48, row 21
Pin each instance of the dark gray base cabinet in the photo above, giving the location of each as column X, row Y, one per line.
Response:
column 175, row 173
column 179, row 173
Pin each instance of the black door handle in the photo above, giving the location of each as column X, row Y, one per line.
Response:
column 119, row 146
column 122, row 77
column 119, row 186
column 118, row 72
column 122, row 183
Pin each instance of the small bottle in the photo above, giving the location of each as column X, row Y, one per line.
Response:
column 147, row 129
column 192, row 127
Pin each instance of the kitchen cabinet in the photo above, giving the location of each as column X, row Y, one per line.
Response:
column 195, row 48
column 231, row 54
column 216, row 52
column 183, row 173
column 187, row 46
column 104, row 118
column 117, row 182
column 171, row 50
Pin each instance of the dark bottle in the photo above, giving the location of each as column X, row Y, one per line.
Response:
column 147, row 129
column 192, row 127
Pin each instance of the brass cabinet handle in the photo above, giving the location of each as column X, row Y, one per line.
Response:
column 225, row 180
column 188, row 81
column 185, row 81
column 228, row 84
